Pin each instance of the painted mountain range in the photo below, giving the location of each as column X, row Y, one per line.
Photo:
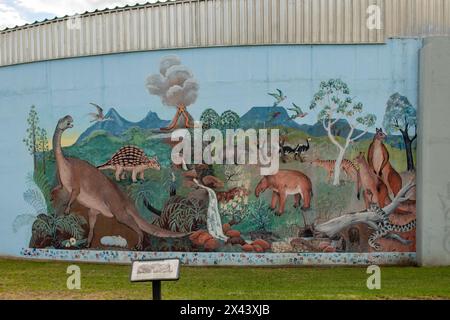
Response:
column 266, row 117
column 117, row 125
column 256, row 117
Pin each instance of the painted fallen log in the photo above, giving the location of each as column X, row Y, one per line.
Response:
column 369, row 217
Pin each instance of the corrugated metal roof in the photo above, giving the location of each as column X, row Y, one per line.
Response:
column 56, row 18
column 209, row 23
column 417, row 18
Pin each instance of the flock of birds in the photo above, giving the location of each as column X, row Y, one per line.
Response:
column 279, row 97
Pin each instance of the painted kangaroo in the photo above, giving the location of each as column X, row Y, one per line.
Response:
column 378, row 158
column 285, row 183
column 93, row 190
column 375, row 190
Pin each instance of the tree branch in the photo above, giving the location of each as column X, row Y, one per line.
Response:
column 350, row 133
column 360, row 135
column 335, row 121
column 324, row 125
column 331, row 136
column 334, row 226
column 402, row 196
column 415, row 133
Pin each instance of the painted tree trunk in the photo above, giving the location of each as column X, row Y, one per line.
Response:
column 337, row 167
column 43, row 162
column 408, row 149
column 43, row 156
column 34, row 149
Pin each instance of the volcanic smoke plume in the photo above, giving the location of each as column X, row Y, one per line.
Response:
column 175, row 83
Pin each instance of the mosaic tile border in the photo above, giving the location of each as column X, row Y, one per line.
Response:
column 227, row 259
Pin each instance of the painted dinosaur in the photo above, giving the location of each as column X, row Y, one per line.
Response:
column 131, row 159
column 93, row 190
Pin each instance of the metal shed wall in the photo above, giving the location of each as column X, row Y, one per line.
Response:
column 209, row 23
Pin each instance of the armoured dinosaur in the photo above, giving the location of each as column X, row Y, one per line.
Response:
column 132, row 159
column 93, row 190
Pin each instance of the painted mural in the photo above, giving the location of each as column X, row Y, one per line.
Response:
column 343, row 184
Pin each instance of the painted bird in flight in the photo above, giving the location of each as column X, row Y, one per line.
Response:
column 279, row 97
column 99, row 116
column 298, row 112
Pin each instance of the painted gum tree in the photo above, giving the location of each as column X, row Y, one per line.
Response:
column 401, row 117
column 336, row 105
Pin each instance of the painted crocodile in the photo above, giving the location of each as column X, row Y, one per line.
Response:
column 131, row 159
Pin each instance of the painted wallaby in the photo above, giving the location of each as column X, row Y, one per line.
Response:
column 285, row 183
column 378, row 159
column 374, row 189
column 93, row 190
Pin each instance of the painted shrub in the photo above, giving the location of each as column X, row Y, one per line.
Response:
column 345, row 184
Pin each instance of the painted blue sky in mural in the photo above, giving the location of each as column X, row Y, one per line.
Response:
column 229, row 78
column 236, row 78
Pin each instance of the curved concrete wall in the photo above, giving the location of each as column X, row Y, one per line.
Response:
column 236, row 79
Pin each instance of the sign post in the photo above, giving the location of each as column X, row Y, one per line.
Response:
column 155, row 271
column 156, row 289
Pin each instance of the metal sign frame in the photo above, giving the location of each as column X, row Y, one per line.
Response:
column 155, row 279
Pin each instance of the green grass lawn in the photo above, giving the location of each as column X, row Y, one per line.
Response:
column 47, row 280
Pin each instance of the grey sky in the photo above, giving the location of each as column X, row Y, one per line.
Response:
column 19, row 12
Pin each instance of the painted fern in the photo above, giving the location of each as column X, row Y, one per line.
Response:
column 36, row 200
column 50, row 225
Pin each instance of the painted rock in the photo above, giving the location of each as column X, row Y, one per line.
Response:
column 257, row 248
column 233, row 233
column 262, row 243
column 247, row 248
column 226, row 227
column 212, row 244
column 236, row 240
column 212, row 182
column 195, row 235
column 202, row 238
column 323, row 245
